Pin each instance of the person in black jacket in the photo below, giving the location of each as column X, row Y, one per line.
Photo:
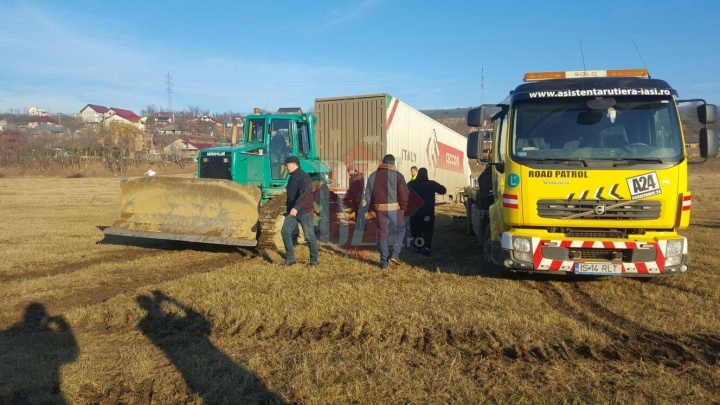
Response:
column 300, row 209
column 422, row 220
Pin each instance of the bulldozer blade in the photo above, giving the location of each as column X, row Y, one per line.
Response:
column 193, row 210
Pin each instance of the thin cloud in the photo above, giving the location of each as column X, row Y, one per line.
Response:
column 80, row 64
column 339, row 16
column 85, row 65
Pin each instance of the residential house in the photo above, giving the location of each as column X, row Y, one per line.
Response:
column 42, row 121
column 163, row 118
column 38, row 112
column 240, row 122
column 185, row 149
column 11, row 142
column 49, row 129
column 3, row 124
column 93, row 113
column 122, row 116
column 173, row 129
column 205, row 118
column 290, row 110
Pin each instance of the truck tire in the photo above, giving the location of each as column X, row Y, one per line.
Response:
column 469, row 215
column 490, row 269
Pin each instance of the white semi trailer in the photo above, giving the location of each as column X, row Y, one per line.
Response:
column 360, row 130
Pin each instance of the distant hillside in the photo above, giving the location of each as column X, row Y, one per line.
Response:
column 453, row 118
column 447, row 113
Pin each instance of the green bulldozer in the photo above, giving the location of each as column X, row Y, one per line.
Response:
column 238, row 195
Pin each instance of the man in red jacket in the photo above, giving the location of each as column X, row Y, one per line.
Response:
column 387, row 195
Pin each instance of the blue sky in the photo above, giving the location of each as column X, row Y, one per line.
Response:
column 237, row 55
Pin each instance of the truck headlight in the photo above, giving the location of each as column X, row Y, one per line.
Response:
column 673, row 252
column 522, row 256
column 522, row 244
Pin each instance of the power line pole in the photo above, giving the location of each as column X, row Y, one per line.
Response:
column 168, row 84
column 482, row 84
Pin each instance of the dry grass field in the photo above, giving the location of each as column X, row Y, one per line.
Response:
column 91, row 319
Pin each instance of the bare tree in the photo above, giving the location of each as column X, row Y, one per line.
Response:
column 150, row 110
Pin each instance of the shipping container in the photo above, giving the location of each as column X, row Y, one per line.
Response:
column 360, row 130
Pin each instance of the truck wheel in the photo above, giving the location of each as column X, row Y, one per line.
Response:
column 490, row 269
column 469, row 215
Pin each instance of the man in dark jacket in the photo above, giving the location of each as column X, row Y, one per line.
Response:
column 387, row 195
column 300, row 209
column 422, row 220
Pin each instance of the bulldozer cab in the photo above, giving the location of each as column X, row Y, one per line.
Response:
column 279, row 136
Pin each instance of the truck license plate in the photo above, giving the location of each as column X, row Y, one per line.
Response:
column 598, row 268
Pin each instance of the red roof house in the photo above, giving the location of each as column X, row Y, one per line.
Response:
column 124, row 114
column 93, row 113
column 42, row 120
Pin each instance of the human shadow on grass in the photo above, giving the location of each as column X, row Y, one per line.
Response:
column 31, row 354
column 183, row 335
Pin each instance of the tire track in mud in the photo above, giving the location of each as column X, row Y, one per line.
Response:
column 70, row 267
column 685, row 290
column 125, row 279
column 633, row 341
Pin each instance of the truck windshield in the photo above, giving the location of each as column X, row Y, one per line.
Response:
column 631, row 130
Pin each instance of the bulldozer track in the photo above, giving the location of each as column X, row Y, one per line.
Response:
column 269, row 212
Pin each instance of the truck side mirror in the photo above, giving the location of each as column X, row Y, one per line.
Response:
column 708, row 143
column 474, row 117
column 473, row 141
column 707, row 113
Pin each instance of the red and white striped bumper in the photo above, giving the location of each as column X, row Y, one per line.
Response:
column 549, row 264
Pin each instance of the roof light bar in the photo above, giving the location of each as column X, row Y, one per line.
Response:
column 574, row 74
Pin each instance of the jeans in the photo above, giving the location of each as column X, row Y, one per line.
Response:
column 289, row 227
column 388, row 223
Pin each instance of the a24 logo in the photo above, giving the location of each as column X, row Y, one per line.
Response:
column 644, row 185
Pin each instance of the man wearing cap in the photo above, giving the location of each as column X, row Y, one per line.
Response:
column 353, row 197
column 387, row 195
column 300, row 209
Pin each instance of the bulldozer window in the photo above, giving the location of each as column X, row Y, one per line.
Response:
column 283, row 128
column 303, row 139
column 256, row 130
column 281, row 146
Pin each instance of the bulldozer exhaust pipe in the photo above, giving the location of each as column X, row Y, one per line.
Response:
column 233, row 142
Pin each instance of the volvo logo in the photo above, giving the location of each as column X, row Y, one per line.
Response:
column 599, row 209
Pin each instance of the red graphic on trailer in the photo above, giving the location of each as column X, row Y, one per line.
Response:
column 442, row 156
